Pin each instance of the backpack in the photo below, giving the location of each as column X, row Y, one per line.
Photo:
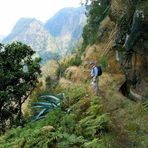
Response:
column 99, row 70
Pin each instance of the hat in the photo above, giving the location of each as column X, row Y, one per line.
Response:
column 91, row 63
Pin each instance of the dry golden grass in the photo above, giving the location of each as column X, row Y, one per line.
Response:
column 106, row 23
column 64, row 83
column 94, row 52
column 113, row 64
column 104, row 48
column 110, row 27
column 118, row 8
column 77, row 74
column 49, row 68
column 108, row 80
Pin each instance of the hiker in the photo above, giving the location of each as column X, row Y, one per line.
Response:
column 95, row 73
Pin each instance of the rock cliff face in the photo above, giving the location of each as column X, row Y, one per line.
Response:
column 131, row 45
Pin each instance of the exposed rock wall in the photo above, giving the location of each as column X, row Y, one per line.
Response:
column 131, row 44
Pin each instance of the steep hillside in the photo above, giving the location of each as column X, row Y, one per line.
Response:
column 121, row 40
column 130, row 43
column 109, row 120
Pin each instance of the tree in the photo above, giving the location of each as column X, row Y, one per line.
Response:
column 96, row 11
column 18, row 77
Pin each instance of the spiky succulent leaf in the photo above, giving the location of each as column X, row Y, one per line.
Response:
column 40, row 113
column 50, row 103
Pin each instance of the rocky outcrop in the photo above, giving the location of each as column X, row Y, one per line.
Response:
column 131, row 45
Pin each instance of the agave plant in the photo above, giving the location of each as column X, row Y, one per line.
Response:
column 46, row 104
column 145, row 105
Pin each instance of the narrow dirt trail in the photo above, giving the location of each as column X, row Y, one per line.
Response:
column 111, row 100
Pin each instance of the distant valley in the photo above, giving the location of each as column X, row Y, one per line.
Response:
column 58, row 35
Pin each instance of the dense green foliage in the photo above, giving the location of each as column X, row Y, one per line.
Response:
column 85, row 124
column 69, row 129
column 75, row 61
column 96, row 12
column 19, row 74
column 103, row 61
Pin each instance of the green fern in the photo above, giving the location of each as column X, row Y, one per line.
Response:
column 91, row 125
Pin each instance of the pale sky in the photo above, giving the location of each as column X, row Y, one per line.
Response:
column 12, row 10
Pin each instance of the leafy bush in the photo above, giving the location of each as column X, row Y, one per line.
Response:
column 66, row 140
column 76, row 61
column 103, row 62
column 76, row 128
column 33, row 135
column 69, row 122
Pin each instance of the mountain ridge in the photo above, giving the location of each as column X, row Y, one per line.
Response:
column 63, row 14
column 34, row 33
column 19, row 26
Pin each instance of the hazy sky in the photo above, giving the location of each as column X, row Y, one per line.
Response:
column 12, row 10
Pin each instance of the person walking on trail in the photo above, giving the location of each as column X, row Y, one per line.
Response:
column 95, row 73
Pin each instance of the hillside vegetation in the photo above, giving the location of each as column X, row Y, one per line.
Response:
column 117, row 118
column 110, row 120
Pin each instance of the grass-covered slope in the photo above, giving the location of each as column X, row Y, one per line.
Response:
column 84, row 120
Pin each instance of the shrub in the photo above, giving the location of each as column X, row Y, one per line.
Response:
column 103, row 62
column 76, row 61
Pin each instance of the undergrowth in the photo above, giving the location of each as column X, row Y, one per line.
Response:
column 82, row 121
column 78, row 122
